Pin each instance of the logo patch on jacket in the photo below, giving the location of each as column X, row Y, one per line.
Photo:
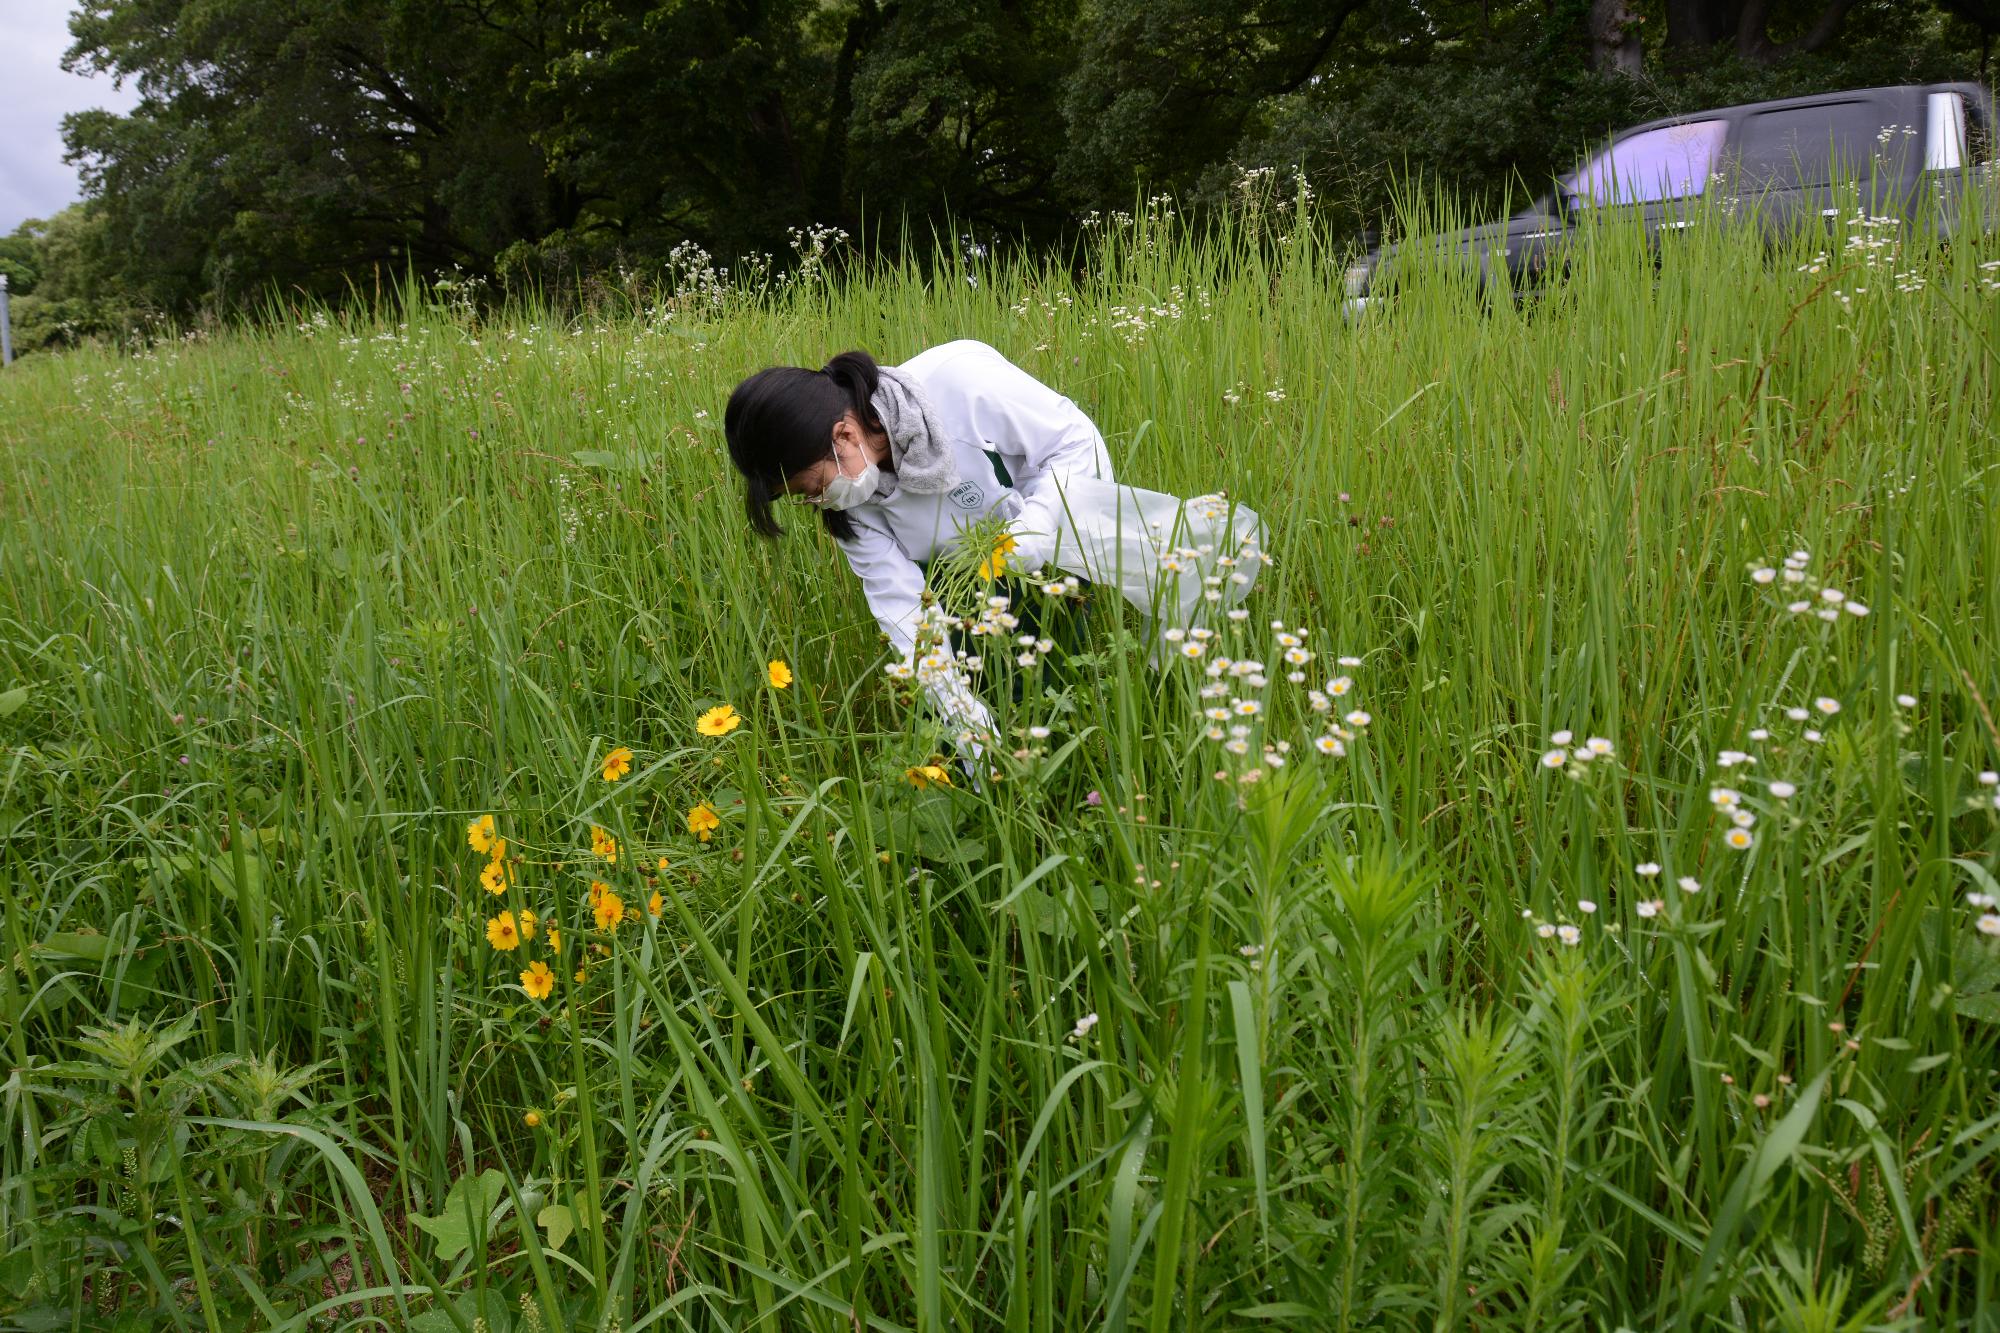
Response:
column 966, row 495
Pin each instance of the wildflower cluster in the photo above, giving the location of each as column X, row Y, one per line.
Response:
column 1236, row 699
column 1988, row 920
column 1800, row 593
column 508, row 928
column 1579, row 762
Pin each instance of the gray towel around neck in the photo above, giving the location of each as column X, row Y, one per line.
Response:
column 917, row 443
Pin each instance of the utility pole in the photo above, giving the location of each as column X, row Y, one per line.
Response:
column 6, row 331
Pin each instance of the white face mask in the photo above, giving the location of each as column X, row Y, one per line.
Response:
column 845, row 492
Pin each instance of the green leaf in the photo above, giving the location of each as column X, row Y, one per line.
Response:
column 12, row 701
column 68, row 944
column 557, row 1220
column 471, row 1201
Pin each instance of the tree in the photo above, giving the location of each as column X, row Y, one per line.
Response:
column 307, row 142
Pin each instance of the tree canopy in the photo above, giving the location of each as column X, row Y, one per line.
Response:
column 308, row 146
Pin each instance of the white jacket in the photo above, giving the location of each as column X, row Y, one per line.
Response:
column 983, row 401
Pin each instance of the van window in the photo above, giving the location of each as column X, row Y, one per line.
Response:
column 1944, row 137
column 1672, row 162
column 1805, row 145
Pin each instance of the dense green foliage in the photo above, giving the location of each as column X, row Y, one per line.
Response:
column 324, row 145
column 1407, row 1037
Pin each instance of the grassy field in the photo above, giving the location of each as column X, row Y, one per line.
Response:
column 1627, row 969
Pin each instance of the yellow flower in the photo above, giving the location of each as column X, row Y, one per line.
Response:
column 655, row 903
column 533, row 1119
column 495, row 876
column 598, row 888
column 609, row 910
column 703, row 821
column 718, row 721
column 579, row 976
column 995, row 563
column 779, row 673
column 662, row 865
column 928, row 775
column 538, row 981
column 617, row 764
column 502, row 933
column 603, row 844
column 555, row 940
column 528, row 923
column 479, row 834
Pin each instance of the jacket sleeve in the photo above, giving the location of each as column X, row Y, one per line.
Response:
column 894, row 587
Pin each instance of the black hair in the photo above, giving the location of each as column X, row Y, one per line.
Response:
column 780, row 422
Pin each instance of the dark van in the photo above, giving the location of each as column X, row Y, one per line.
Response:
column 1778, row 160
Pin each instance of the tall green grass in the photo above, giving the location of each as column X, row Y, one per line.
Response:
column 280, row 614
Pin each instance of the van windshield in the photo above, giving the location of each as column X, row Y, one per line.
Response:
column 1672, row 162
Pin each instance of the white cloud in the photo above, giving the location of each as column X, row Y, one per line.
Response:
column 35, row 92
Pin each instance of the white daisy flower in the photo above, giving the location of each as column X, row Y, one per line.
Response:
column 1906, row 701
column 1650, row 907
column 1327, row 745
column 1560, row 738
column 1855, row 609
column 1083, row 1026
column 1554, row 759
column 1647, row 869
column 1248, row 708
column 1568, row 934
column 1598, row 745
column 1348, row 661
column 1320, row 703
column 1797, row 714
column 1784, row 791
column 1739, row 838
column 1760, row 734
column 1216, row 714
column 1723, row 797
column 1585, row 906
column 1688, row 884
column 1814, row 737
column 1358, row 718
column 1989, row 778
column 1989, row 924
column 1833, row 595
column 1763, row 575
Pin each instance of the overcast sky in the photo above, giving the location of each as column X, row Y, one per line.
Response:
column 34, row 94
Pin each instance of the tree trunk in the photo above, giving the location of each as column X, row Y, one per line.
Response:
column 1615, row 47
column 830, row 184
